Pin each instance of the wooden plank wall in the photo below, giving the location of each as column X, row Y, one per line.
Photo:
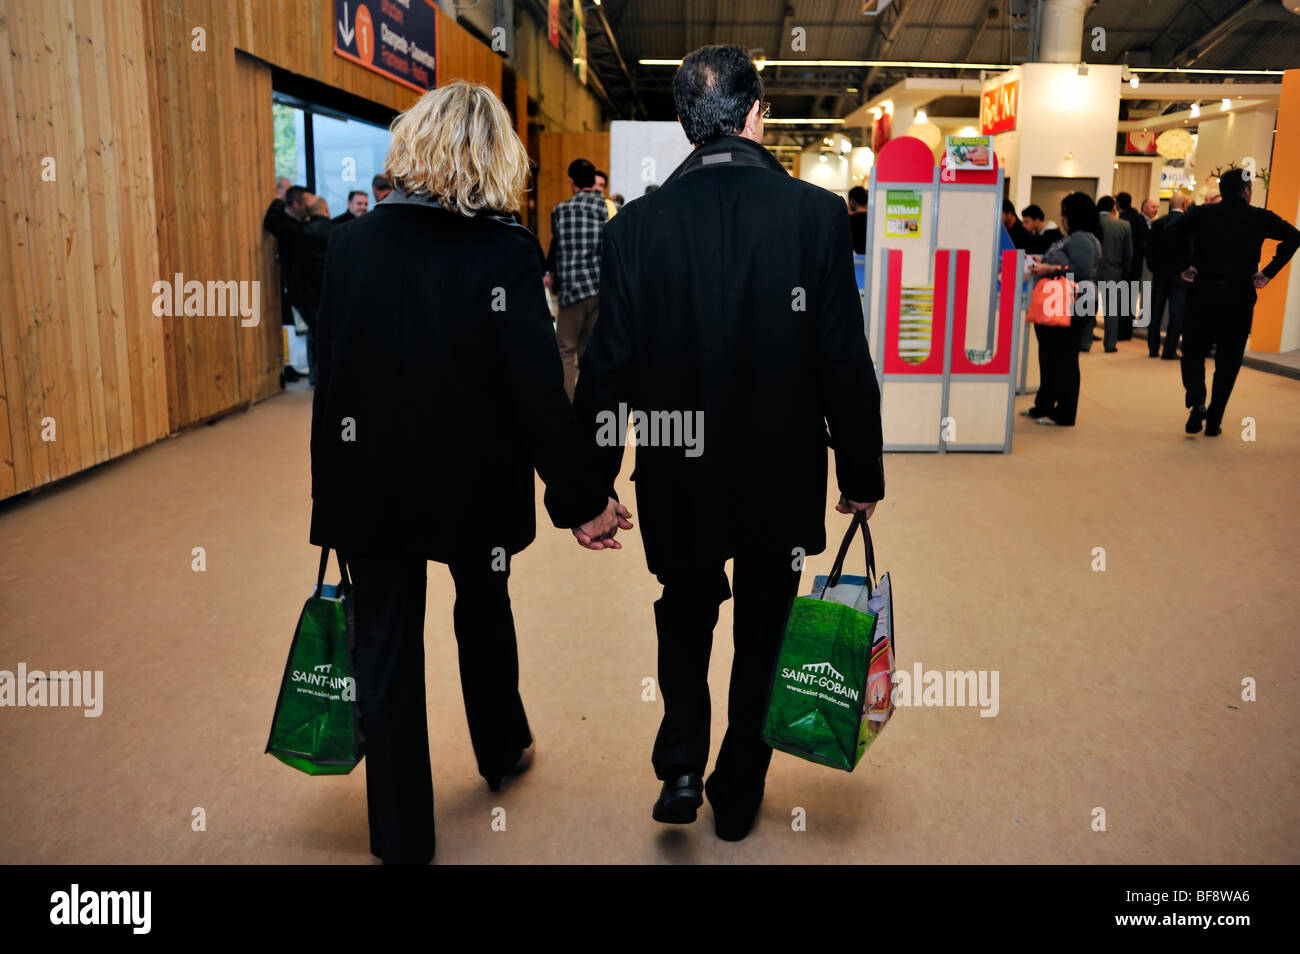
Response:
column 461, row 55
column 557, row 150
column 214, row 175
column 78, row 340
column 163, row 164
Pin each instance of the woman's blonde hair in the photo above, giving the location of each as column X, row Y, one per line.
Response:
column 457, row 144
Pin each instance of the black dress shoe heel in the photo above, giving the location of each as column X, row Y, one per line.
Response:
column 521, row 765
column 1195, row 419
column 680, row 799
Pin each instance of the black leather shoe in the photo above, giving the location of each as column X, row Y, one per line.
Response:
column 1195, row 419
column 521, row 765
column 1213, row 429
column 733, row 817
column 681, row 797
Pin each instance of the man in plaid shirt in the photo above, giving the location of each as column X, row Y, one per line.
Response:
column 573, row 265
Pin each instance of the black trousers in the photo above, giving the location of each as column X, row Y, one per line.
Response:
column 1058, row 369
column 1174, row 293
column 1218, row 315
column 389, row 595
column 765, row 587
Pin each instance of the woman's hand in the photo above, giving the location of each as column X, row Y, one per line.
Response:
column 598, row 532
column 1041, row 269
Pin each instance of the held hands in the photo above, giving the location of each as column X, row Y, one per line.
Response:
column 1038, row 268
column 850, row 506
column 1260, row 280
column 1190, row 275
column 598, row 533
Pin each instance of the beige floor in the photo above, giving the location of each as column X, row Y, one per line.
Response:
column 1118, row 690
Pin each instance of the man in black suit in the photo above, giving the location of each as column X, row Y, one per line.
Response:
column 1222, row 248
column 300, row 223
column 1167, row 285
column 753, row 347
column 358, row 203
column 1138, row 223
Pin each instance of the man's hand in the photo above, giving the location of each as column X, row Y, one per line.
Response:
column 1189, row 275
column 546, row 279
column 598, row 533
column 851, row 506
column 1260, row 280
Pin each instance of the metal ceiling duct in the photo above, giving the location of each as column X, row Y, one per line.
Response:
column 1061, row 39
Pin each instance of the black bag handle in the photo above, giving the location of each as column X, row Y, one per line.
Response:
column 345, row 584
column 859, row 520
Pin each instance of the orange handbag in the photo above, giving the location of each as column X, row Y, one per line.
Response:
column 1051, row 302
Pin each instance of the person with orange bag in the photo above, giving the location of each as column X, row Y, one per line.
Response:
column 1076, row 258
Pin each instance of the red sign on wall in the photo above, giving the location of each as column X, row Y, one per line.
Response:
column 553, row 23
column 1142, row 142
column 998, row 108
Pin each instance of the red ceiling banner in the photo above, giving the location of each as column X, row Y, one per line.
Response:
column 553, row 24
column 998, row 108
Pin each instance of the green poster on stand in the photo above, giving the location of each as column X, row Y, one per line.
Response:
column 902, row 213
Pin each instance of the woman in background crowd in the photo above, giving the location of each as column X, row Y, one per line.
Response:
column 1075, row 257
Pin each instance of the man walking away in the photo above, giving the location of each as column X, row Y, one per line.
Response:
column 1138, row 223
column 574, row 262
column 731, row 321
column 1167, row 285
column 1225, row 243
column 1116, row 264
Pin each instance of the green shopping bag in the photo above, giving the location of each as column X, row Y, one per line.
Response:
column 830, row 689
column 316, row 727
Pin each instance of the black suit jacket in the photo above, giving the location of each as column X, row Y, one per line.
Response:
column 730, row 293
column 301, row 247
column 436, row 344
column 1165, row 251
column 1138, row 222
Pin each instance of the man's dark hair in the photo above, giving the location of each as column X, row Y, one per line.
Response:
column 380, row 182
column 1234, row 183
column 1008, row 207
column 1080, row 214
column 355, row 192
column 583, row 173
column 602, row 174
column 1105, row 203
column 1032, row 212
column 1124, row 200
column 858, row 196
column 714, row 90
column 293, row 195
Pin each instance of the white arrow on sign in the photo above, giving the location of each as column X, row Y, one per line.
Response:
column 344, row 30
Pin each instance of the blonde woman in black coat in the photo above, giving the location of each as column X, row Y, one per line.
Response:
column 440, row 392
